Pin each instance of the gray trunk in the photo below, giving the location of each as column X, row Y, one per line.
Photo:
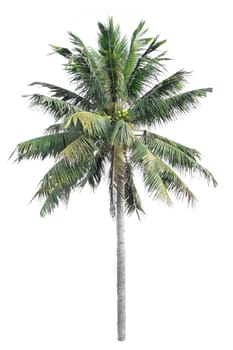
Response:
column 121, row 314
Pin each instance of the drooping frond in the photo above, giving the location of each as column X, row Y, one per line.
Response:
column 180, row 157
column 150, row 110
column 132, row 199
column 96, row 168
column 91, row 123
column 58, row 182
column 61, row 51
column 62, row 174
column 44, row 146
column 122, row 133
column 158, row 177
column 65, row 95
column 58, row 109
column 151, row 168
column 53, row 199
column 177, row 187
column 82, row 148
column 113, row 51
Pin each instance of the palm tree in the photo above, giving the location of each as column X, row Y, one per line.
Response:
column 103, row 126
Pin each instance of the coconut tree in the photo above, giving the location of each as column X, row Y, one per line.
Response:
column 103, row 125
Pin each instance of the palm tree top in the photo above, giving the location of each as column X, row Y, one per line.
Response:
column 103, row 123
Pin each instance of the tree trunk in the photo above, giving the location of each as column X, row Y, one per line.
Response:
column 121, row 314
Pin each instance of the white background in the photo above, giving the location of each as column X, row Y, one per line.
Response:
column 58, row 274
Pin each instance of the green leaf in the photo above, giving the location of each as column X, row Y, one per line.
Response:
column 146, row 70
column 44, row 146
column 132, row 199
column 56, row 108
column 82, row 148
column 122, row 133
column 61, row 51
column 91, row 123
column 150, row 110
column 151, row 168
column 65, row 95
column 159, row 178
column 138, row 43
column 113, row 53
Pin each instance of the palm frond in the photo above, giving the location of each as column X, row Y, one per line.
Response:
column 146, row 70
column 132, row 199
column 96, row 168
column 137, row 44
column 56, row 108
column 160, row 179
column 85, row 73
column 44, row 146
column 82, row 148
column 170, row 86
column 58, row 182
column 151, row 168
column 61, row 51
column 53, row 129
column 113, row 52
column 62, row 175
column 152, row 111
column 180, row 157
column 91, row 123
column 65, row 95
column 177, row 187
column 53, row 199
column 122, row 133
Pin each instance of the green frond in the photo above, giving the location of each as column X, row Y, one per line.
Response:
column 53, row 199
column 82, row 148
column 91, row 123
column 53, row 129
column 61, row 51
column 146, row 70
column 56, row 108
column 122, row 133
column 65, row 95
column 62, row 175
column 44, row 146
column 172, row 152
column 159, row 178
column 177, row 187
column 170, row 86
column 151, row 168
column 96, row 168
column 86, row 75
column 180, row 157
column 150, row 110
column 138, row 43
column 113, row 52
column 132, row 199
column 58, row 182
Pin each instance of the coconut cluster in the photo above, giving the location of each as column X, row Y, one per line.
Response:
column 121, row 114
